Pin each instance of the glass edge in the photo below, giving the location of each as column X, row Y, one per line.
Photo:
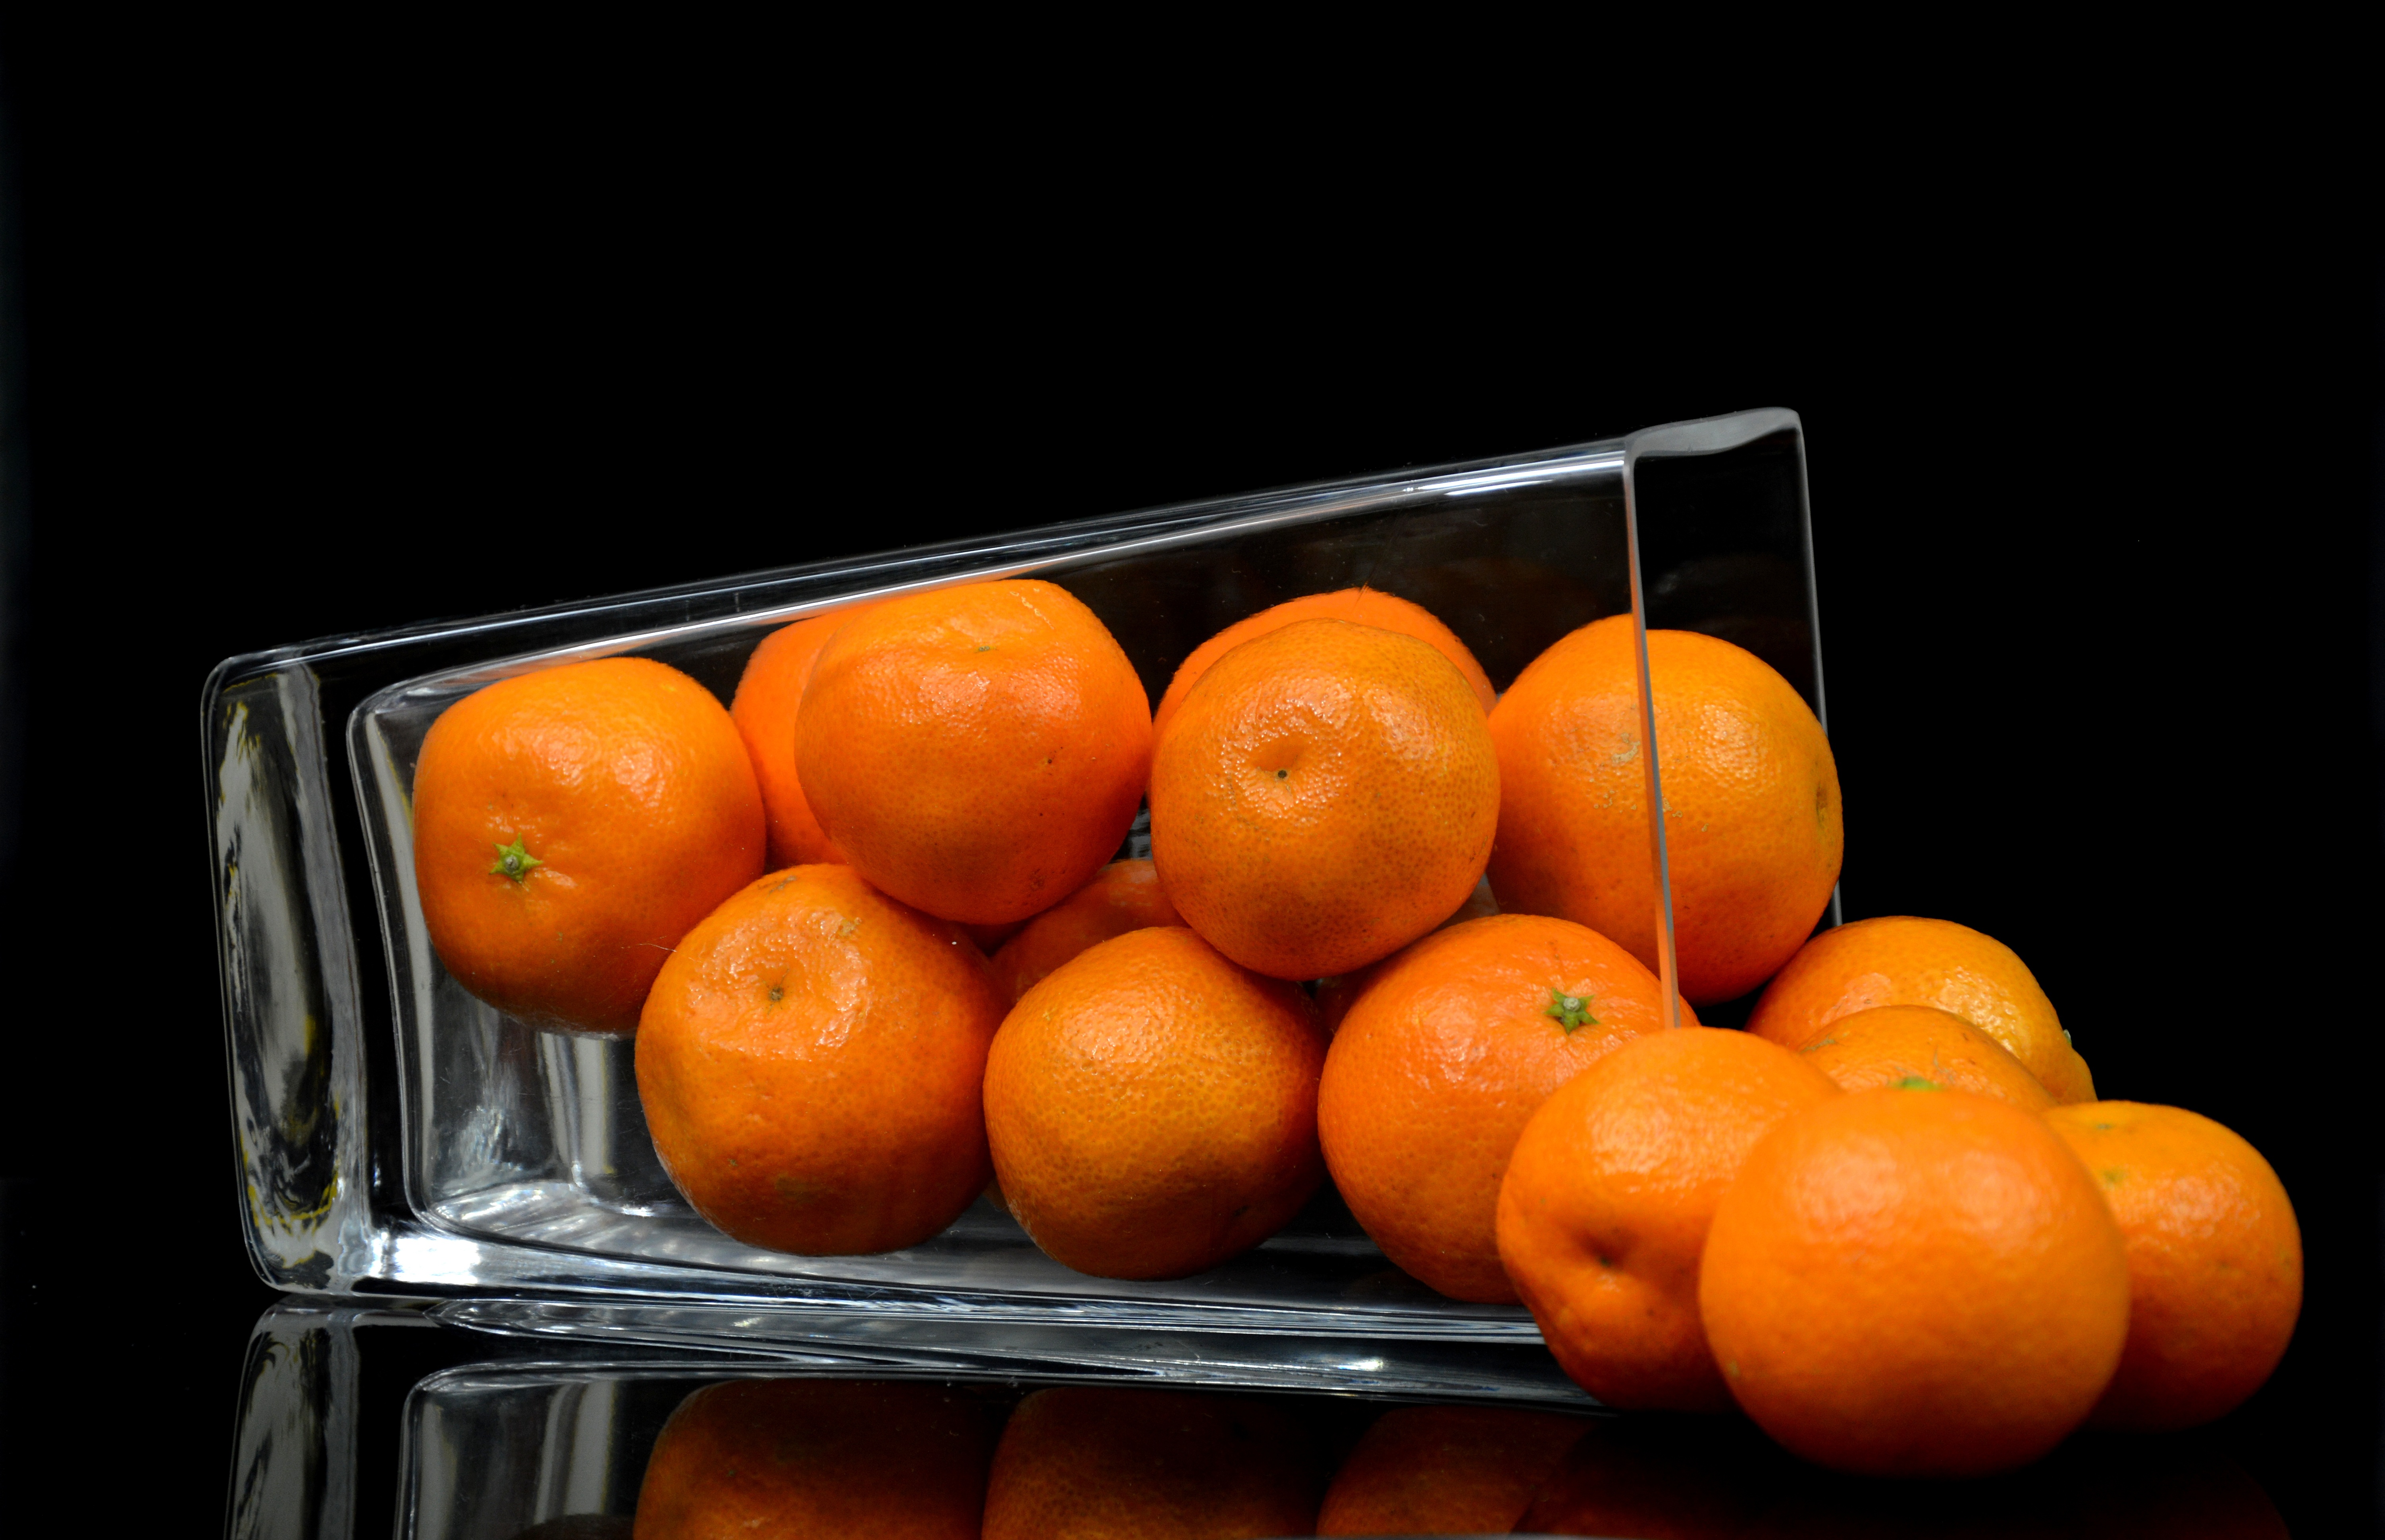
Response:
column 1031, row 544
column 407, row 1293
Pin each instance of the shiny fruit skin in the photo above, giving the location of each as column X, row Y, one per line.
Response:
column 1326, row 795
column 1889, row 1043
column 1904, row 960
column 810, row 1062
column 1442, row 1059
column 1362, row 606
column 770, row 698
column 1335, row 995
column 802, row 1457
column 978, row 752
column 621, row 792
column 1753, row 829
column 1153, row 1107
column 1123, row 895
column 1911, row 1282
column 2215, row 1261
column 1098, row 1463
column 1603, row 1212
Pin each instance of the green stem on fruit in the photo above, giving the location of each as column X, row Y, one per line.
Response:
column 515, row 862
column 1570, row 1011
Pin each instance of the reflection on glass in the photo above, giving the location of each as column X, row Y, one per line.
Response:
column 1076, row 1460
column 648, row 1443
column 819, row 1457
column 1446, row 1471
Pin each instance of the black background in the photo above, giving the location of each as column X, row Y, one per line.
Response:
column 318, row 335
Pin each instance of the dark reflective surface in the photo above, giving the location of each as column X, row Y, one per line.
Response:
column 360, row 1422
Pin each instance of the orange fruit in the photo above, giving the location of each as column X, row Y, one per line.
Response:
column 1753, row 831
column 1363, row 606
column 1605, row 1208
column 1087, row 1463
column 810, row 1062
column 569, row 825
column 977, row 752
column 770, row 696
column 1334, row 995
column 1123, row 895
column 2214, row 1260
column 1153, row 1107
column 1325, row 795
column 1889, row 1043
column 1447, row 1470
column 1442, row 1059
column 818, row 1457
column 1899, row 960
column 1914, row 1282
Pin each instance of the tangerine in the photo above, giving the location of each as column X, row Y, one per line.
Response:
column 770, row 698
column 569, row 825
column 818, row 1457
column 1326, row 794
column 1752, row 826
column 1123, row 895
column 810, row 1062
column 1442, row 1059
column 1082, row 1462
column 1603, row 1212
column 1153, row 1107
column 1365, row 606
column 1900, row 960
column 976, row 752
column 1914, row 1282
column 2214, row 1260
column 1889, row 1043
column 1335, row 994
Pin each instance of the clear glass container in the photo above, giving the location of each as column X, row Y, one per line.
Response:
column 398, row 1136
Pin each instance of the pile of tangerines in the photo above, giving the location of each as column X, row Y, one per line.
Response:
column 866, row 928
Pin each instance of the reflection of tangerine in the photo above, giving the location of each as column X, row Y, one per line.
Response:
column 818, row 1457
column 2214, row 1260
column 1681, row 1479
column 810, row 1062
column 569, row 825
column 1442, row 1059
column 1325, row 795
column 1123, row 895
column 1899, row 960
column 769, row 695
column 1082, row 1462
column 1604, row 1209
column 976, row 752
column 1914, row 1282
column 1753, row 829
column 1446, row 1471
column 1362, row 605
column 1889, row 1043
column 1153, row 1107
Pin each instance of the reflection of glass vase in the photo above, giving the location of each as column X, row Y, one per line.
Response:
column 517, row 1413
column 293, row 1454
column 498, row 1421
